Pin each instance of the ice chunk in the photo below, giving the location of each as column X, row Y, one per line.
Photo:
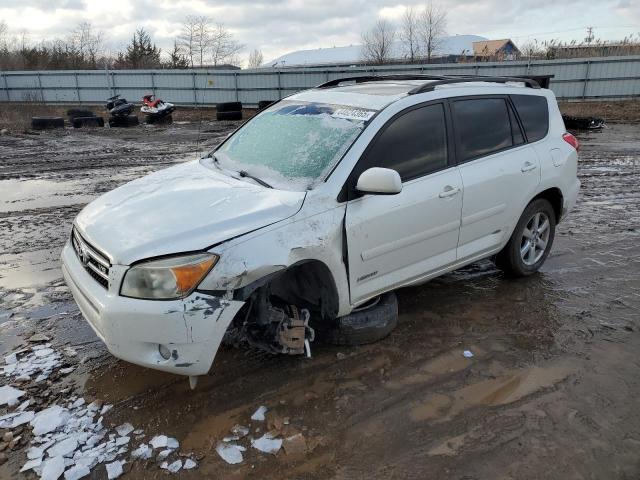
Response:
column 267, row 444
column 114, row 470
column 124, row 429
column 9, row 395
column 258, row 415
column 172, row 467
column 468, row 353
column 34, row 452
column 122, row 441
column 88, row 461
column 189, row 464
column 77, row 472
column 78, row 403
column 11, row 359
column 144, row 452
column 23, row 406
column 66, row 371
column 230, row 453
column 172, row 443
column 164, row 454
column 159, row 441
column 43, row 352
column 105, row 409
column 49, row 419
column 15, row 419
column 52, row 468
column 36, row 462
column 63, row 448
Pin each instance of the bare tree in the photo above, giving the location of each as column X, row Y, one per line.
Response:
column 223, row 47
column 187, row 38
column 255, row 59
column 87, row 42
column 4, row 32
column 409, row 33
column 433, row 25
column 378, row 42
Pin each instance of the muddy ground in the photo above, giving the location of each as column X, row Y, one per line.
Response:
column 551, row 391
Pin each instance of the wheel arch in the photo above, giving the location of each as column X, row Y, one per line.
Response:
column 554, row 196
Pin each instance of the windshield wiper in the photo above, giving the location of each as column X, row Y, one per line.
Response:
column 244, row 173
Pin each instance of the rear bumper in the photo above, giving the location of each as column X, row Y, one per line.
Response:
column 132, row 329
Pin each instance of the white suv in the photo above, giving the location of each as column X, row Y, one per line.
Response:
column 326, row 200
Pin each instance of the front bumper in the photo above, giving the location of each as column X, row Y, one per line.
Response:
column 133, row 329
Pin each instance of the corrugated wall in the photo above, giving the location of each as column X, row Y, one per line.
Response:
column 584, row 78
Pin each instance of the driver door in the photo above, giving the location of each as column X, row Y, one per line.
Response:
column 395, row 239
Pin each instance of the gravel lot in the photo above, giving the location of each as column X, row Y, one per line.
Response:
column 550, row 391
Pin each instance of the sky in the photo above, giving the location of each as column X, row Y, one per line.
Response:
column 277, row 27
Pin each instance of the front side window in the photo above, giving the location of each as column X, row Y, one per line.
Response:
column 293, row 144
column 414, row 144
column 483, row 126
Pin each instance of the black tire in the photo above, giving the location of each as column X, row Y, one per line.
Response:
column 79, row 112
column 509, row 259
column 229, row 107
column 41, row 123
column 80, row 122
column 128, row 121
column 262, row 104
column 363, row 326
column 229, row 115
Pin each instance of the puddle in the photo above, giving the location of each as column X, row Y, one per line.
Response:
column 29, row 269
column 27, row 194
column 507, row 388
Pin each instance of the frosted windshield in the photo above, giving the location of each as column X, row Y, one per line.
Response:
column 292, row 144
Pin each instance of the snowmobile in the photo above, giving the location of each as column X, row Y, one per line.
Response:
column 119, row 107
column 156, row 109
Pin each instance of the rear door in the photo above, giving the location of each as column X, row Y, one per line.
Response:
column 393, row 239
column 500, row 172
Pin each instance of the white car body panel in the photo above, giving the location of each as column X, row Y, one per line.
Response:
column 258, row 233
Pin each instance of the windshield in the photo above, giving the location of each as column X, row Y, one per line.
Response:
column 293, row 144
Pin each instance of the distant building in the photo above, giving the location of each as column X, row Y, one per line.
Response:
column 451, row 48
column 499, row 50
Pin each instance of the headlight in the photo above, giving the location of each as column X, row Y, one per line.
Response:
column 169, row 278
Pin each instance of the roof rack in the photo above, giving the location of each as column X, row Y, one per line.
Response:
column 429, row 87
column 437, row 80
column 381, row 78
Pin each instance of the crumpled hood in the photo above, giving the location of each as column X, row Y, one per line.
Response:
column 183, row 208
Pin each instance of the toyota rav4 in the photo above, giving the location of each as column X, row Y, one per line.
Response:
column 307, row 216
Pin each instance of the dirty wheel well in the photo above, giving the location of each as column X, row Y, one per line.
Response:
column 308, row 285
column 554, row 197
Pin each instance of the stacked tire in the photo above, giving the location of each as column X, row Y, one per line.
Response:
column 44, row 123
column 229, row 111
column 81, row 118
column 124, row 121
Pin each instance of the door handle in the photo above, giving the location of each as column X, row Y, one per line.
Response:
column 528, row 166
column 449, row 191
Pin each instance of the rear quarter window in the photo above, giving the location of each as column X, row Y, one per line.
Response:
column 534, row 114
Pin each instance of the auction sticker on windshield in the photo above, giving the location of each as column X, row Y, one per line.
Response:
column 353, row 114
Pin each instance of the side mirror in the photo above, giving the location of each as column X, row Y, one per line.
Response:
column 380, row 181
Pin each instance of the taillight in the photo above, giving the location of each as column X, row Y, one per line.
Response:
column 571, row 140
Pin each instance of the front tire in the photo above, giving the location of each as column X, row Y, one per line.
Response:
column 531, row 241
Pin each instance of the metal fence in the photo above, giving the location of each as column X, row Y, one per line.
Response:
column 584, row 78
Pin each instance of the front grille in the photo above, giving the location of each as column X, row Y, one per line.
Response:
column 94, row 262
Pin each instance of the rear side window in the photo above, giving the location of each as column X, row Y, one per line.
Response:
column 413, row 144
column 534, row 114
column 483, row 126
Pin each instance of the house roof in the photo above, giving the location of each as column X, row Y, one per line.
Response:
column 453, row 45
column 490, row 47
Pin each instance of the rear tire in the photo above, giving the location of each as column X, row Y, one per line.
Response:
column 531, row 241
column 228, row 116
column 363, row 326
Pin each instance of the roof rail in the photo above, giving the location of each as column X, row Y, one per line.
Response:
column 429, row 87
column 381, row 78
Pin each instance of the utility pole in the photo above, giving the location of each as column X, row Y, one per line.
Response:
column 589, row 37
